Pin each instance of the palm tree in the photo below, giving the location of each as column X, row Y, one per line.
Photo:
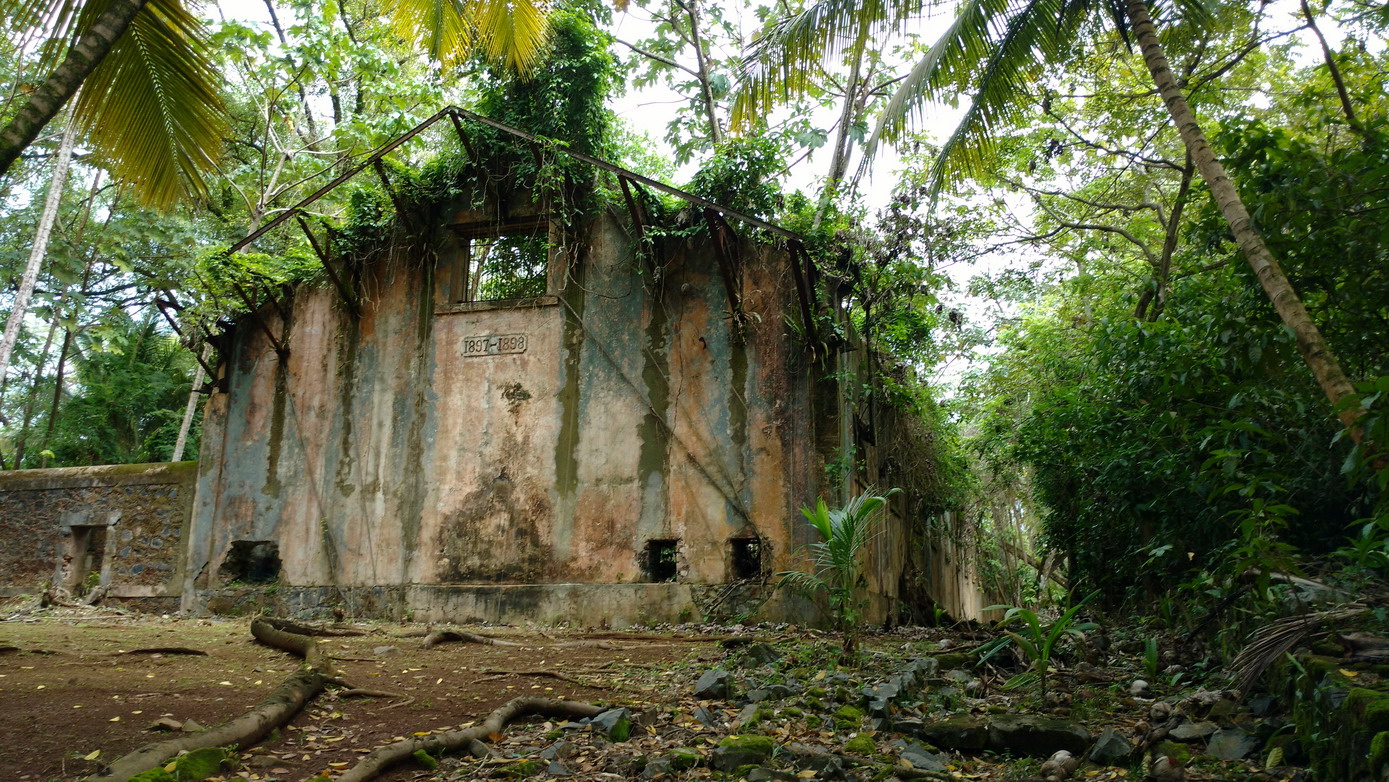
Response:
column 149, row 104
column 993, row 50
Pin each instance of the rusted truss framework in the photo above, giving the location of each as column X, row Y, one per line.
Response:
column 717, row 217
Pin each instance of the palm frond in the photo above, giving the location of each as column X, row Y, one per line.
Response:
column 511, row 31
column 443, row 28
column 995, row 52
column 781, row 63
column 151, row 110
column 46, row 26
column 1272, row 641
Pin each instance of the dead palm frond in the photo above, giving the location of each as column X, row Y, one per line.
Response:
column 1271, row 642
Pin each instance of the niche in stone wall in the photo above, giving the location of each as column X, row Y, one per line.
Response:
column 745, row 558
column 251, row 562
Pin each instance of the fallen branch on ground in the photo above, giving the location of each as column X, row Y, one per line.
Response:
column 383, row 758
column 164, row 650
column 276, row 710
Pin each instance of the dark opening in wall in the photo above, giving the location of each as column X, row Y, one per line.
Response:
column 660, row 560
column 746, row 558
column 82, row 561
column 251, row 562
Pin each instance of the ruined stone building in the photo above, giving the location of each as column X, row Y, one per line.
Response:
column 629, row 440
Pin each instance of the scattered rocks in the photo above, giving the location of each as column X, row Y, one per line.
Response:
column 957, row 733
column 1059, row 766
column 1189, row 731
column 1111, row 749
column 706, row 717
column 919, row 757
column 762, row 654
column 1139, row 689
column 1166, row 769
column 714, row 685
column 1231, row 744
column 616, row 724
column 737, row 751
column 1036, row 736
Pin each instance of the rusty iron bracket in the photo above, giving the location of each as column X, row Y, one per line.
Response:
column 171, row 303
column 347, row 297
column 805, row 291
column 633, row 207
column 463, row 138
column 400, row 212
column 280, row 348
column 730, row 267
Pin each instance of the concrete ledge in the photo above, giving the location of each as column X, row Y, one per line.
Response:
column 590, row 605
column 103, row 475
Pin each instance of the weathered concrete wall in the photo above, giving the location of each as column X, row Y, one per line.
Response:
column 386, row 450
column 123, row 525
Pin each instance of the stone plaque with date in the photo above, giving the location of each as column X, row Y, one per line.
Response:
column 493, row 345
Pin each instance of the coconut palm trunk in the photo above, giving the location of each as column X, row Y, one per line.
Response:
column 50, row 96
column 1310, row 343
column 39, row 249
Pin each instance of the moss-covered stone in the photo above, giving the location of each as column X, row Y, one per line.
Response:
column 1379, row 750
column 734, row 752
column 1373, row 707
column 848, row 718
column 860, row 745
column 1173, row 749
column 522, row 769
column 952, row 660
column 683, row 758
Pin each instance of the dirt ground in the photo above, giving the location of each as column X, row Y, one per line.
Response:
column 76, row 682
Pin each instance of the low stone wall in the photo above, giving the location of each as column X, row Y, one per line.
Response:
column 121, row 526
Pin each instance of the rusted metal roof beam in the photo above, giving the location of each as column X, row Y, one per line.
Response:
column 729, row 268
column 456, row 113
column 347, row 296
column 633, row 207
column 635, row 177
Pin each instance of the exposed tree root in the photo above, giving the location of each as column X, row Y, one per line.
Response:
column 321, row 631
column 243, row 731
column 381, row 759
column 358, row 692
column 444, row 636
column 549, row 674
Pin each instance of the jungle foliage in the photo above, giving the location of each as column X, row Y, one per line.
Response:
column 1069, row 368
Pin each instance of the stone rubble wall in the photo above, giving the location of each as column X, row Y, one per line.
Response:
column 139, row 514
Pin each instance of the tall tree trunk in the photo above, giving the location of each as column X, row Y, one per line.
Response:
column 27, row 417
column 48, row 98
column 711, row 107
column 69, row 334
column 1310, row 342
column 192, row 408
column 39, row 249
column 58, row 374
column 855, row 93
